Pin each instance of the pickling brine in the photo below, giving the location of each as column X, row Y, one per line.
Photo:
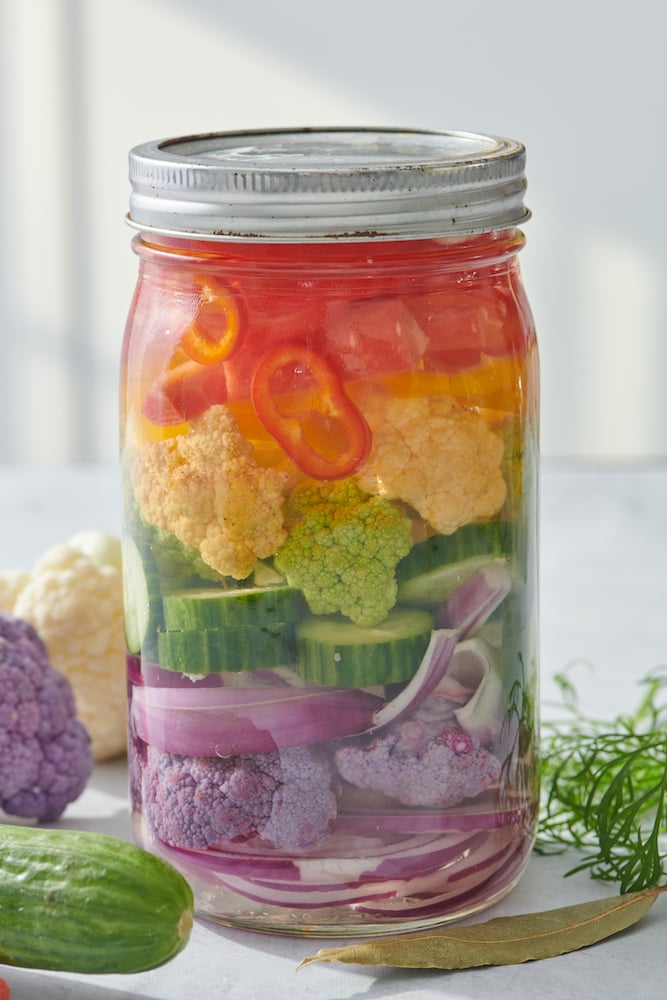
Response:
column 329, row 455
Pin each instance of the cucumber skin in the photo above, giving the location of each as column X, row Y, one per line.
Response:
column 479, row 538
column 435, row 567
column 142, row 598
column 227, row 650
column 348, row 661
column 190, row 610
column 88, row 903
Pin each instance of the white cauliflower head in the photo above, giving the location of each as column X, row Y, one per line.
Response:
column 75, row 602
column 12, row 582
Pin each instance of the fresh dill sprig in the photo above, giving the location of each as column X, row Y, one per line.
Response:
column 604, row 788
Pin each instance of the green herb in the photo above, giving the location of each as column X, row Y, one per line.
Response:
column 604, row 788
column 504, row 941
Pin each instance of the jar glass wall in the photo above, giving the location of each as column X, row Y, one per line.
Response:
column 329, row 458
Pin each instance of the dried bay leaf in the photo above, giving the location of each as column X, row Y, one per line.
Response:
column 503, row 941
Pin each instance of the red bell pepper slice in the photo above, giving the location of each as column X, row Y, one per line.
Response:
column 183, row 393
column 213, row 333
column 318, row 426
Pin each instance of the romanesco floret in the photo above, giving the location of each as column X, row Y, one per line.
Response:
column 284, row 797
column 409, row 764
column 430, row 453
column 343, row 548
column 45, row 751
column 206, row 488
column 178, row 565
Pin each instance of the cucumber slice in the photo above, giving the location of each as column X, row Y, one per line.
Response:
column 436, row 567
column 185, row 610
column 433, row 588
column 333, row 651
column 218, row 650
column 141, row 598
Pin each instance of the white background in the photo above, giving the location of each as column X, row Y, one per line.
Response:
column 582, row 84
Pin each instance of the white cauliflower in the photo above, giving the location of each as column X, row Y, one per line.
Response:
column 12, row 582
column 441, row 459
column 74, row 598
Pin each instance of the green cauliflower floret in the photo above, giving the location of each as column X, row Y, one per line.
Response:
column 176, row 562
column 342, row 549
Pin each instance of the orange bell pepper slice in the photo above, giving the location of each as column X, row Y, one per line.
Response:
column 317, row 425
column 213, row 334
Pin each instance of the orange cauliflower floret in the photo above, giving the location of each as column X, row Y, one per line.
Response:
column 442, row 460
column 206, row 488
column 74, row 599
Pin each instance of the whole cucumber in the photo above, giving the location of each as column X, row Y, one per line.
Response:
column 87, row 902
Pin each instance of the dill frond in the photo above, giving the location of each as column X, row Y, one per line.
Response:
column 604, row 789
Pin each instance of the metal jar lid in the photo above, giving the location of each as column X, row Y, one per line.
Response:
column 328, row 184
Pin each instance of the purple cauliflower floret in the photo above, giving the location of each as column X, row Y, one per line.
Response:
column 284, row 797
column 45, row 751
column 414, row 767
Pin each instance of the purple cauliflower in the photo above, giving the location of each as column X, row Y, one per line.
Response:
column 284, row 797
column 418, row 768
column 45, row 752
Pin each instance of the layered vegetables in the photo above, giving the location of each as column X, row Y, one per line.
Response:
column 320, row 561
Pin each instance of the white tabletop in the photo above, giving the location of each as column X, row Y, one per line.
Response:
column 604, row 601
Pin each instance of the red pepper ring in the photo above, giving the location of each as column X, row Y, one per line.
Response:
column 213, row 333
column 327, row 440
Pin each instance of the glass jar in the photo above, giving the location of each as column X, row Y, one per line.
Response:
column 329, row 455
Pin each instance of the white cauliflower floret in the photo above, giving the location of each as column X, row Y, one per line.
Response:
column 100, row 547
column 430, row 453
column 12, row 582
column 76, row 605
column 206, row 488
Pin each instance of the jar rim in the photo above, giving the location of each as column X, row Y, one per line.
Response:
column 323, row 184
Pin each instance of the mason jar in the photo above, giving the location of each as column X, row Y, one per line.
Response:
column 329, row 458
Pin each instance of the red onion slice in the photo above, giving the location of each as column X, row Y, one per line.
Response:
column 430, row 672
column 412, row 821
column 226, row 721
column 475, row 600
column 232, row 721
column 425, row 897
column 415, row 880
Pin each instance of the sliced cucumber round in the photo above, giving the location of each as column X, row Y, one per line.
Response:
column 433, row 588
column 436, row 567
column 142, row 600
column 206, row 608
column 218, row 650
column 332, row 651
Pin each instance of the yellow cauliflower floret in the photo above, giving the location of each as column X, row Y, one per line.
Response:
column 75, row 602
column 442, row 460
column 206, row 488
